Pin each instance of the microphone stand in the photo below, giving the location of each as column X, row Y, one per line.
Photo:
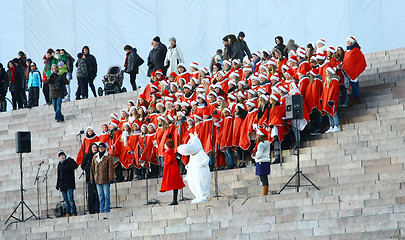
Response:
column 37, row 183
column 46, row 191
column 152, row 201
column 214, row 153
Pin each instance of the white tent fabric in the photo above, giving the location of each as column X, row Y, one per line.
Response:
column 106, row 26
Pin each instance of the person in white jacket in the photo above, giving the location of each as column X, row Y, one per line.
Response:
column 174, row 56
column 262, row 158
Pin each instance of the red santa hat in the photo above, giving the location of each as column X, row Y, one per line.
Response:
column 153, row 74
column 166, row 92
column 240, row 105
column 331, row 49
column 142, row 96
column 202, row 96
column 240, row 94
column 217, row 86
column 213, row 94
column 134, row 124
column 124, row 111
column 114, row 115
column 285, row 67
column 200, row 89
column 104, row 125
column 251, row 91
column 185, row 104
column 226, row 62
column 161, row 118
column 159, row 71
column 275, row 97
column 255, row 78
column 262, row 67
column 320, row 57
column 152, row 106
column 275, row 89
column 293, row 53
column 321, row 41
column 153, row 125
column 126, row 124
column 114, row 123
column 231, row 82
column 143, row 108
column 290, row 72
column 351, row 39
column 331, row 70
column 206, row 80
column 180, row 114
column 168, row 99
column 261, row 75
column 283, row 88
column 274, row 77
column 204, row 70
column 155, row 85
column 236, row 61
column 181, row 65
column 271, row 62
column 303, row 72
column 177, row 103
column 234, row 74
column 159, row 104
column 247, row 69
column 173, row 74
column 293, row 59
column 314, row 71
column 222, row 98
column 194, row 65
column 266, row 51
column 222, row 73
column 262, row 131
column 131, row 101
column 168, row 102
column 261, row 90
column 226, row 110
column 257, row 53
column 178, row 94
column 190, row 119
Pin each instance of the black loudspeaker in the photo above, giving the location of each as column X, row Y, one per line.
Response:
column 23, row 142
column 294, row 107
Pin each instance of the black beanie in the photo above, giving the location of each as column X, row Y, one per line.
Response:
column 241, row 34
column 225, row 39
column 156, row 39
column 79, row 55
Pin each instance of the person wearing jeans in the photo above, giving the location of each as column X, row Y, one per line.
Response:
column 57, row 91
column 66, row 181
column 102, row 174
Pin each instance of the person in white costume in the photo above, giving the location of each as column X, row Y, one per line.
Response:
column 198, row 171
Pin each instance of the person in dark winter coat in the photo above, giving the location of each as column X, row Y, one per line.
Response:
column 132, row 63
column 280, row 44
column 15, row 78
column 236, row 49
column 291, row 45
column 3, row 89
column 227, row 49
column 243, row 45
column 66, row 181
column 91, row 68
column 92, row 197
column 57, row 93
column 68, row 60
column 157, row 56
column 82, row 77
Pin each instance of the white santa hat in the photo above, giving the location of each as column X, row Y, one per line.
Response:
column 255, row 78
column 168, row 103
column 222, row 98
column 161, row 118
column 257, row 53
column 169, row 117
column 331, row 49
column 262, row 67
column 204, row 70
column 124, row 110
column 293, row 53
column 90, row 127
column 271, row 62
column 168, row 99
column 240, row 94
column 236, row 61
column 159, row 103
column 181, row 114
column 177, row 103
column 190, row 119
column 251, row 92
column 114, row 115
column 266, row 51
column 201, row 96
column 275, row 89
column 247, row 69
column 217, row 86
column 143, row 108
column 181, row 65
column 232, row 82
column 262, row 91
column 187, row 86
column 285, row 67
column 261, row 75
column 321, row 41
column 234, row 74
column 240, row 105
column 185, row 104
column 231, row 96
column 274, row 97
column 126, row 124
column 226, row 110
column 132, row 102
column 226, row 62
column 222, row 73
column 207, row 80
column 265, row 97
column 247, row 60
column 351, row 39
column 178, row 94
column 213, row 94
column 274, row 78
column 174, row 83
column 200, row 89
column 282, row 88
column 194, row 65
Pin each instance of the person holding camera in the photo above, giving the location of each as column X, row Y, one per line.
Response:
column 102, row 174
column 66, row 181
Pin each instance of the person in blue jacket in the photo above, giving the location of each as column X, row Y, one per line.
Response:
column 34, row 83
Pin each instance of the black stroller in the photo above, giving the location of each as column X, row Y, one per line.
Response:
column 113, row 81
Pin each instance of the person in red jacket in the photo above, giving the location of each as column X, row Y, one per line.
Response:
column 90, row 138
column 172, row 179
column 105, row 135
column 330, row 99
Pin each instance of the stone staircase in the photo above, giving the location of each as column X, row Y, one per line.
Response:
column 360, row 171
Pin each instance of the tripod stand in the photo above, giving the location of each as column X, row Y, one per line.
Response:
column 298, row 173
column 116, row 196
column 46, row 192
column 151, row 201
column 37, row 183
column 22, row 203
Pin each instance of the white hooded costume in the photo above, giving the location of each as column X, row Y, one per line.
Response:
column 198, row 171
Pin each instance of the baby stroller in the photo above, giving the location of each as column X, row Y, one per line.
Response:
column 112, row 81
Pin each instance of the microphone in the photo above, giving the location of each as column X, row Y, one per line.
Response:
column 41, row 163
column 81, row 132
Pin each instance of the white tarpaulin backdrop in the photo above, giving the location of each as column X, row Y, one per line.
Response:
column 106, row 26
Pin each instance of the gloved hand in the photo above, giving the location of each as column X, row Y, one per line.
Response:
column 57, row 188
column 331, row 103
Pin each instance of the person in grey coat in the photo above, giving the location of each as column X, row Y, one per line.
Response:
column 262, row 159
column 132, row 63
column 174, row 56
column 157, row 56
column 235, row 46
column 291, row 45
column 243, row 45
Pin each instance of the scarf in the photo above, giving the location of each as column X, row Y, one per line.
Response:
column 12, row 75
column 100, row 156
column 353, row 46
column 63, row 58
column 126, row 59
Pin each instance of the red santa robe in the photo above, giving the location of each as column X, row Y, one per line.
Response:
column 277, row 114
column 226, row 133
column 104, row 137
column 303, row 85
column 304, row 66
column 171, row 179
column 149, row 151
column 147, row 92
column 161, row 141
column 185, row 75
column 313, row 95
column 354, row 63
column 189, row 99
column 205, row 135
column 237, row 125
column 330, row 93
column 246, row 128
column 112, row 143
column 184, row 139
column 219, row 155
column 322, row 69
column 263, row 119
column 131, row 149
column 281, row 62
column 121, row 150
column 84, row 149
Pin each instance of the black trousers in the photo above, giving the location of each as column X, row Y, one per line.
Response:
column 92, row 198
column 132, row 77
column 3, row 104
column 33, row 96
column 45, row 91
column 264, row 179
column 92, row 87
column 24, row 98
column 82, row 88
column 17, row 100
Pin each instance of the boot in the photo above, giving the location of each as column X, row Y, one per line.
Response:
column 175, row 192
column 265, row 190
column 93, row 89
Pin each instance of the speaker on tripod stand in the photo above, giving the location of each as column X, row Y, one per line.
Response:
column 295, row 113
column 22, row 145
